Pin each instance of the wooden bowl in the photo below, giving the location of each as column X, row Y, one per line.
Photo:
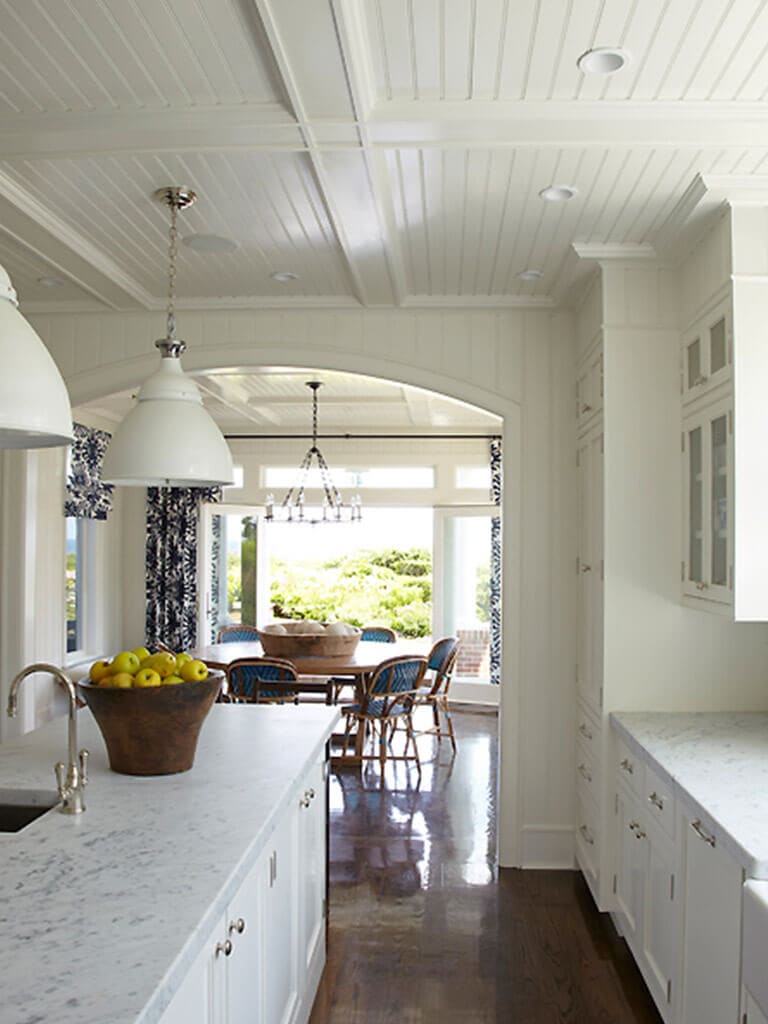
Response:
column 310, row 645
column 152, row 730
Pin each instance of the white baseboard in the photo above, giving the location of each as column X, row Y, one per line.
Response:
column 473, row 693
column 548, row 846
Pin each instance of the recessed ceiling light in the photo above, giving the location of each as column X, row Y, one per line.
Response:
column 283, row 276
column 530, row 275
column 558, row 193
column 603, row 60
column 209, row 243
column 51, row 282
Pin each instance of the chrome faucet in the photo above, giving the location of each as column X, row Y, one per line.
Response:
column 72, row 777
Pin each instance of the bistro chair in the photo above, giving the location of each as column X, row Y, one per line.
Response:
column 379, row 634
column 441, row 660
column 237, row 634
column 389, row 697
column 262, row 681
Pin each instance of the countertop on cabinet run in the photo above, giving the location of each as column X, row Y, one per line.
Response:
column 102, row 913
column 717, row 763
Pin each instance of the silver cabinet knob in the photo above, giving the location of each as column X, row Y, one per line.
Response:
column 656, row 800
column 627, row 766
column 224, row 947
column 237, row 926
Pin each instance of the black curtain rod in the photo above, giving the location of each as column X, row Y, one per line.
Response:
column 363, row 437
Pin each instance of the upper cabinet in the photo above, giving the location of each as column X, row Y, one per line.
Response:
column 589, row 389
column 706, row 354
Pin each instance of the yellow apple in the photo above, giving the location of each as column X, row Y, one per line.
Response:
column 146, row 677
column 170, row 680
column 182, row 659
column 141, row 653
column 194, row 671
column 125, row 661
column 120, row 680
column 99, row 669
column 164, row 664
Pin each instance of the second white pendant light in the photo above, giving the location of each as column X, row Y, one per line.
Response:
column 168, row 439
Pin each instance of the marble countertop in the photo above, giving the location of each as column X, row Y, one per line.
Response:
column 102, row 913
column 717, row 762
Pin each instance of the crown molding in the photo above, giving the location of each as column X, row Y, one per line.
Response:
column 603, row 253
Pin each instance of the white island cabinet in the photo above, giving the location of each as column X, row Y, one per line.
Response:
column 197, row 898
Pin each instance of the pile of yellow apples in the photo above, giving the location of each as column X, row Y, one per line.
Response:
column 138, row 669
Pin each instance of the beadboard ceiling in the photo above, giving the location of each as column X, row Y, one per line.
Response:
column 387, row 152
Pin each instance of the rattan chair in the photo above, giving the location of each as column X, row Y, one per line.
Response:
column 237, row 634
column 262, row 681
column 380, row 634
column 389, row 697
column 441, row 660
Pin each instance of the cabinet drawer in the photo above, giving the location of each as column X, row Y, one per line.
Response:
column 586, row 772
column 588, row 733
column 629, row 767
column 659, row 801
column 587, row 838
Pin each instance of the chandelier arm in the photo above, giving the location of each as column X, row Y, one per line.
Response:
column 331, row 490
column 298, row 485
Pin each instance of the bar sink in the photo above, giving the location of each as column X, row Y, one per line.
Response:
column 20, row 807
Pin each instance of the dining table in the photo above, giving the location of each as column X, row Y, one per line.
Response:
column 316, row 673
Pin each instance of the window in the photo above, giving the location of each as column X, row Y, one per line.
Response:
column 238, row 478
column 384, row 477
column 74, row 583
column 475, row 477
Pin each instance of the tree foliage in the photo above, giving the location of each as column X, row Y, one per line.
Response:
column 385, row 588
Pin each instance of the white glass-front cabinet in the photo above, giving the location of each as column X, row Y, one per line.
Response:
column 707, row 353
column 707, row 566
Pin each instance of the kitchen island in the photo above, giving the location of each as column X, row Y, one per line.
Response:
column 104, row 915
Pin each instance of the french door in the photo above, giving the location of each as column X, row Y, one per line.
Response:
column 465, row 584
column 231, row 569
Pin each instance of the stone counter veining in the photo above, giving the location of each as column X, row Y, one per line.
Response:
column 102, row 913
column 717, row 763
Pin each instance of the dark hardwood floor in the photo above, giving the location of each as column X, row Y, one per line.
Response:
column 425, row 930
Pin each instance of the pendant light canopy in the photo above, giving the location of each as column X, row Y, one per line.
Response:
column 292, row 508
column 168, row 439
column 34, row 404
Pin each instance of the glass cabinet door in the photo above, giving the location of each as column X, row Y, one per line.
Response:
column 708, row 503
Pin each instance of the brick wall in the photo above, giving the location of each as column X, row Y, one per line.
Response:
column 474, row 653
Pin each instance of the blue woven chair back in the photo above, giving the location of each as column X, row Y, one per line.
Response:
column 237, row 634
column 393, row 688
column 250, row 680
column 382, row 634
column 441, row 652
column 398, row 677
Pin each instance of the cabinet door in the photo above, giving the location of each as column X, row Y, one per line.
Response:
column 244, row 986
column 279, row 937
column 590, row 570
column 712, row 943
column 198, row 998
column 708, row 474
column 751, row 1012
column 662, row 921
column 311, row 869
column 628, row 877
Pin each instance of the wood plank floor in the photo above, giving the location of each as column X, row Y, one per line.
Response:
column 425, row 930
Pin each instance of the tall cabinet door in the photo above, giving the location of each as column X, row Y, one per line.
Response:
column 628, row 880
column 311, row 869
column 280, row 978
column 662, row 921
column 590, row 569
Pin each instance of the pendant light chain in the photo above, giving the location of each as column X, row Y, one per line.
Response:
column 173, row 252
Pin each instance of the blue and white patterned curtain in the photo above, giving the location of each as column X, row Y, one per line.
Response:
column 87, row 497
column 173, row 514
column 495, row 583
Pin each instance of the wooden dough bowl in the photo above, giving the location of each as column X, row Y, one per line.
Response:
column 152, row 730
column 309, row 645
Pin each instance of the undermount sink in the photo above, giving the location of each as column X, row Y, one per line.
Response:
column 20, row 807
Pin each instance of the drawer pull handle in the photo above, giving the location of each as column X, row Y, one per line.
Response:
column 588, row 837
column 224, row 947
column 639, row 834
column 585, row 772
column 237, row 926
column 586, row 408
column 585, row 568
column 633, row 825
column 585, row 731
column 628, row 767
column 311, row 794
column 702, row 833
column 656, row 800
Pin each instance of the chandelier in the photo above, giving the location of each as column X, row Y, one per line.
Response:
column 292, row 508
column 168, row 439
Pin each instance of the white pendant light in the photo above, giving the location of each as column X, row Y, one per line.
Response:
column 168, row 439
column 34, row 404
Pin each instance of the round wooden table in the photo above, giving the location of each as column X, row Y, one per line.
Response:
column 367, row 657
